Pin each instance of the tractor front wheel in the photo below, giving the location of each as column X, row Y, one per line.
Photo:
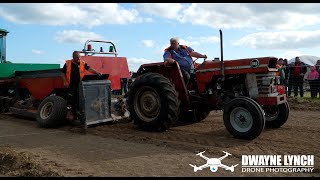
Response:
column 243, row 118
column 51, row 112
column 153, row 102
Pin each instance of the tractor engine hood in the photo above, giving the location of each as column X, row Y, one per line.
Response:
column 240, row 66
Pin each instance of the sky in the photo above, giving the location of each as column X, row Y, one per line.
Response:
column 50, row 32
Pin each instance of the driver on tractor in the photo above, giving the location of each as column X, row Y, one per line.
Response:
column 74, row 71
column 183, row 55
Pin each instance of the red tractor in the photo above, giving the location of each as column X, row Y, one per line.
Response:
column 244, row 89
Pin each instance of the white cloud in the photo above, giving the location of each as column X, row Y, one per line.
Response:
column 135, row 63
column 196, row 41
column 86, row 14
column 75, row 36
column 166, row 10
column 37, row 52
column 281, row 40
column 265, row 16
column 283, row 16
column 148, row 43
column 148, row 20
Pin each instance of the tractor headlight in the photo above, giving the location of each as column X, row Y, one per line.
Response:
column 267, row 81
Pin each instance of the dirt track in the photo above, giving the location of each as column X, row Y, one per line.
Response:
column 120, row 150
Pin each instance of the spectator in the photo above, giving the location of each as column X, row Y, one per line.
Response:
column 124, row 85
column 317, row 65
column 130, row 82
column 286, row 73
column 281, row 72
column 313, row 79
column 290, row 80
column 297, row 71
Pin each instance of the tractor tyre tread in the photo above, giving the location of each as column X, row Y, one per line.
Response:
column 169, row 102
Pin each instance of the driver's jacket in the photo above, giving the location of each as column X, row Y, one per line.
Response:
column 182, row 56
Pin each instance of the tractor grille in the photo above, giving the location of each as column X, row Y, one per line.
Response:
column 266, row 84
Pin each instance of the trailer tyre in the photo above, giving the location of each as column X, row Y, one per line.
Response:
column 276, row 116
column 243, row 118
column 153, row 102
column 51, row 112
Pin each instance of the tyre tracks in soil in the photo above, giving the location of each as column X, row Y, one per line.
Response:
column 298, row 136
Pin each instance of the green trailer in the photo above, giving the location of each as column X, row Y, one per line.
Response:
column 8, row 69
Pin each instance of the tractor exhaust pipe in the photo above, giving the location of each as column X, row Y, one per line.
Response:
column 221, row 51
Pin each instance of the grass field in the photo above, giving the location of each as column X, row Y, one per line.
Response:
column 307, row 96
column 304, row 103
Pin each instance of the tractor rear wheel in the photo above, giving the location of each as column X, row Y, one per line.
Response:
column 243, row 118
column 277, row 115
column 51, row 112
column 153, row 102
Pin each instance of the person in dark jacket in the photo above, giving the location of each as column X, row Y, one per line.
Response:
column 297, row 70
column 73, row 72
column 317, row 65
column 286, row 73
column 124, row 85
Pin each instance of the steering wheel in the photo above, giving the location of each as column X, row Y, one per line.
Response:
column 204, row 59
column 196, row 67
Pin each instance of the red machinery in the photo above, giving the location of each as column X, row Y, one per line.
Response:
column 42, row 94
column 116, row 67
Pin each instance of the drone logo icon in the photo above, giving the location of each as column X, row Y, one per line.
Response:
column 213, row 163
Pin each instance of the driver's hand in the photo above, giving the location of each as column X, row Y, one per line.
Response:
column 170, row 61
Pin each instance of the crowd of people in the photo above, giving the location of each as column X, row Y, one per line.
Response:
column 294, row 75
